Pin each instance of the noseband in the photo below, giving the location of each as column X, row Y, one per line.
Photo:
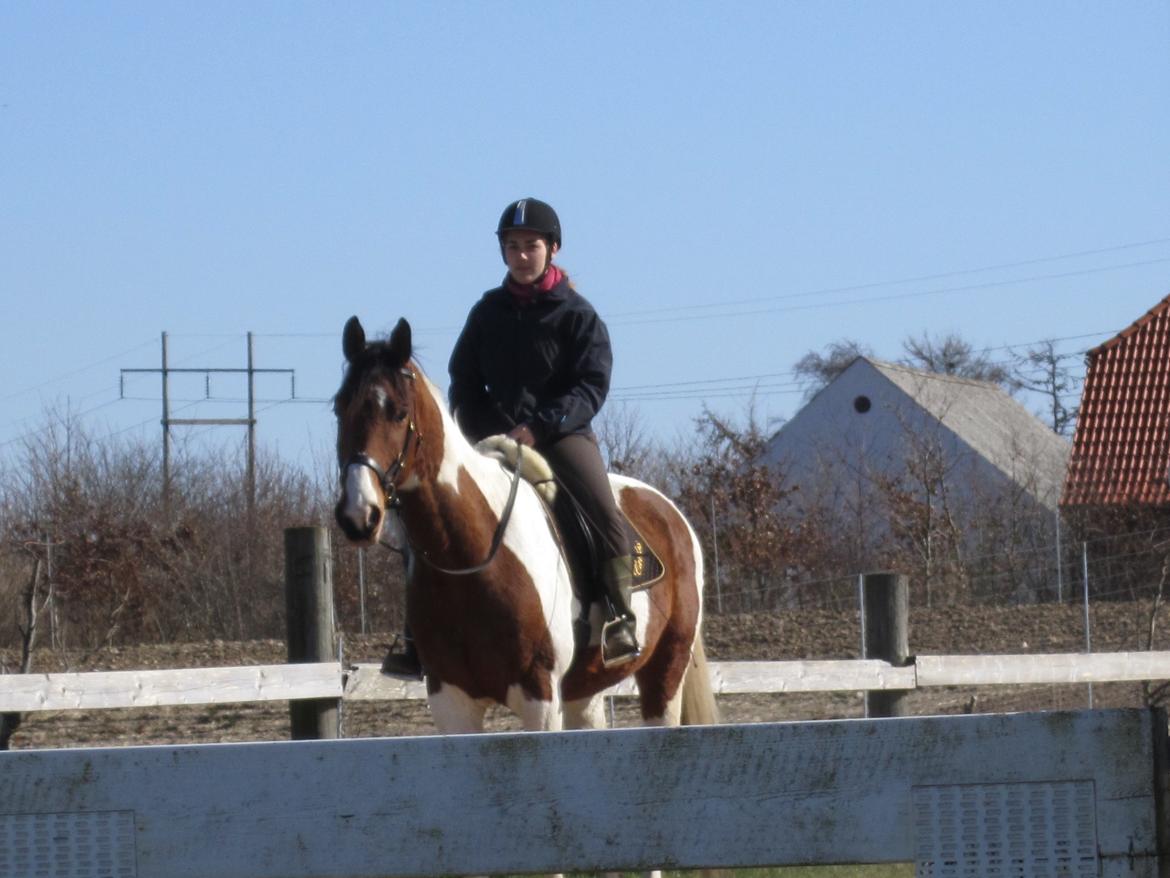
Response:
column 386, row 477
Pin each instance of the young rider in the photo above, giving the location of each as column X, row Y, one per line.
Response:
column 534, row 362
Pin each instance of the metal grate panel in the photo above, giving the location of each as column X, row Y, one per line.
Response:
column 97, row 844
column 1024, row 830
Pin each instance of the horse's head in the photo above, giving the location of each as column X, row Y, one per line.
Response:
column 377, row 430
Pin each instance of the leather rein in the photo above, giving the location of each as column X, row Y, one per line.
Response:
column 388, row 480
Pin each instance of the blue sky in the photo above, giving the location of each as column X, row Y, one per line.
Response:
column 738, row 184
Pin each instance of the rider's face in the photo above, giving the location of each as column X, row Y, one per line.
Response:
column 527, row 255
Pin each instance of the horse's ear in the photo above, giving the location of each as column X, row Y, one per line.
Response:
column 353, row 339
column 400, row 348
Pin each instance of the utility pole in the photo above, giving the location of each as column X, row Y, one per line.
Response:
column 166, row 371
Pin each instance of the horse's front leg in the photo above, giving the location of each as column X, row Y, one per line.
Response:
column 455, row 712
column 536, row 715
column 586, row 713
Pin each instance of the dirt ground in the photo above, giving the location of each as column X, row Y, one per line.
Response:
column 773, row 636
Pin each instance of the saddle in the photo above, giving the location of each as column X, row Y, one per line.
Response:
column 577, row 535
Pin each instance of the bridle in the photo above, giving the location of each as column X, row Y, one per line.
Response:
column 388, row 480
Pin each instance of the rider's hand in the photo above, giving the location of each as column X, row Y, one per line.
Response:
column 522, row 433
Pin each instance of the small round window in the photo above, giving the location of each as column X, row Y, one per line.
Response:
column 861, row 405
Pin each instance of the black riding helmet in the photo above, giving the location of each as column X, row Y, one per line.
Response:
column 533, row 215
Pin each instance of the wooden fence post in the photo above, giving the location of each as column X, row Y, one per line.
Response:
column 887, row 635
column 308, row 589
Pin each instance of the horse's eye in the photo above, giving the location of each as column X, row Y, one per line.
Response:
column 394, row 413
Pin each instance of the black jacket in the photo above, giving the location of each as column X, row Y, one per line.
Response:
column 546, row 364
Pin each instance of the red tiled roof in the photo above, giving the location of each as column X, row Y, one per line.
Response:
column 1121, row 450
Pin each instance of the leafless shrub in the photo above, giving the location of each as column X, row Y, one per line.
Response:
column 737, row 503
column 122, row 567
column 622, row 438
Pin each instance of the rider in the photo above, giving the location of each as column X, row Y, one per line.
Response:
column 534, row 361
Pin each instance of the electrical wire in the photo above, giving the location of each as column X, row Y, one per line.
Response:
column 671, row 315
column 907, row 280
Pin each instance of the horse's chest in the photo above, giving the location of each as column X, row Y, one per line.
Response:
column 484, row 643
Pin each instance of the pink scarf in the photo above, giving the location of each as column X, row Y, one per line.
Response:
column 526, row 294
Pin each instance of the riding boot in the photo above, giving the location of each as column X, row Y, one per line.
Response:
column 619, row 639
column 402, row 658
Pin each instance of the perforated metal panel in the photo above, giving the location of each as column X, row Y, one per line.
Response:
column 98, row 844
column 998, row 830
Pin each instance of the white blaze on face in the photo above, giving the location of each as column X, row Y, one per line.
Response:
column 362, row 496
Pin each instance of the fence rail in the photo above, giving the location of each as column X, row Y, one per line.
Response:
column 364, row 682
column 158, row 688
column 1074, row 794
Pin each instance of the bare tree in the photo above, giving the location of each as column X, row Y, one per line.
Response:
column 622, row 437
column 951, row 354
column 926, row 539
column 32, row 604
column 125, row 572
column 730, row 486
column 816, row 370
column 1040, row 369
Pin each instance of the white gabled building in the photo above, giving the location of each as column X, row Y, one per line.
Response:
column 880, row 422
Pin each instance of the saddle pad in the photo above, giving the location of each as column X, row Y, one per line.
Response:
column 648, row 567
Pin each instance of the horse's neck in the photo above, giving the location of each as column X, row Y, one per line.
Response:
column 457, row 452
column 443, row 500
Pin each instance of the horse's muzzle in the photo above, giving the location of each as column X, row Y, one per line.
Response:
column 362, row 528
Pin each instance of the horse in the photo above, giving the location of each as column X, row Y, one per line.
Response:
column 489, row 598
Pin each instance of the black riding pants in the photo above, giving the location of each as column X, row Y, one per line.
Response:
column 577, row 464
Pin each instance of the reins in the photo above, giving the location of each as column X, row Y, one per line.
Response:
column 497, row 537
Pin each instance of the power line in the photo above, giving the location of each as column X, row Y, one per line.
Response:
column 617, row 318
column 17, row 439
column 228, row 338
column 73, row 372
column 716, row 393
column 695, row 389
column 915, row 279
column 893, row 297
column 692, row 389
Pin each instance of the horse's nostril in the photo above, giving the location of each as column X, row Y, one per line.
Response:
column 374, row 518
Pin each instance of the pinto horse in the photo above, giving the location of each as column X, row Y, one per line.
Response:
column 489, row 595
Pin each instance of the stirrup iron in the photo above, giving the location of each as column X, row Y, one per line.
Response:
column 619, row 643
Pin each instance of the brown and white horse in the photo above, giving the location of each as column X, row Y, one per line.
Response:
column 489, row 596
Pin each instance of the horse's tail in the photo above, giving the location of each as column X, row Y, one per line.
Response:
column 698, row 699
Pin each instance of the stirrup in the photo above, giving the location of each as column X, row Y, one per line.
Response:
column 402, row 662
column 624, row 646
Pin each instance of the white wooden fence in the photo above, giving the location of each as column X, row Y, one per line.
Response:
column 1068, row 794
column 193, row 686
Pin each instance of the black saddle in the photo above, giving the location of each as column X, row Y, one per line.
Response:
column 586, row 555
